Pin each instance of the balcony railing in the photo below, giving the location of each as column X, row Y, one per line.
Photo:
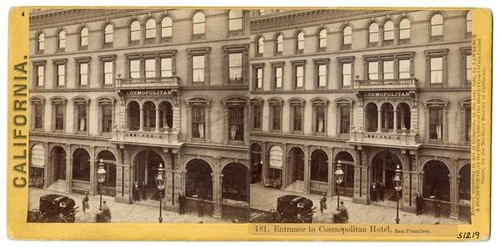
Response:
column 154, row 82
column 392, row 139
column 168, row 137
column 407, row 84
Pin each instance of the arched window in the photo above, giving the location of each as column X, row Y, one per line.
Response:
column 279, row 44
column 150, row 29
column 235, row 20
column 166, row 27
column 135, row 32
column 322, row 39
column 108, row 34
column 61, row 40
column 404, row 29
column 41, row 42
column 373, row 33
column 300, row 42
column 389, row 31
column 260, row 46
column 199, row 24
column 84, row 37
column 468, row 19
column 437, row 25
column 347, row 37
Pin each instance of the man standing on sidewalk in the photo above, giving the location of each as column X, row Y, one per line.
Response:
column 322, row 203
column 419, row 201
column 106, row 213
column 143, row 190
column 85, row 202
column 135, row 191
column 182, row 203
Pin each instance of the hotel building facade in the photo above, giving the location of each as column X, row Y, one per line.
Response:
column 370, row 90
column 134, row 89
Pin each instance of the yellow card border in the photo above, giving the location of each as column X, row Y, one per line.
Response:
column 18, row 162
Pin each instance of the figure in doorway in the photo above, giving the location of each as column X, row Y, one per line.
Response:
column 381, row 190
column 437, row 207
column 201, row 204
column 373, row 192
column 136, row 191
column 143, row 190
column 419, row 201
column 182, row 203
column 322, row 203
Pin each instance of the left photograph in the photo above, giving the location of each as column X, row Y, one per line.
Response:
column 139, row 115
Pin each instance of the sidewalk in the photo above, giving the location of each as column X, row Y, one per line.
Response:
column 121, row 212
column 263, row 198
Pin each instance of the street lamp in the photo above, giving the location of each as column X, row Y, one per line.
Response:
column 101, row 177
column 160, row 184
column 339, row 177
column 398, row 186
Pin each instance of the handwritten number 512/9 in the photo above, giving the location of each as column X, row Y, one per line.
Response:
column 468, row 235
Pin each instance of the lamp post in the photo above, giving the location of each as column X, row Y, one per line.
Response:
column 398, row 186
column 160, row 184
column 101, row 177
column 339, row 177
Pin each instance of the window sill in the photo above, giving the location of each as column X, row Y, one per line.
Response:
column 195, row 139
column 237, row 142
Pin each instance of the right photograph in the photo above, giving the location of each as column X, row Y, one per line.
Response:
column 360, row 116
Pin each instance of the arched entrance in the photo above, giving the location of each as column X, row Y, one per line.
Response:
column 81, row 165
column 387, row 117
column 403, row 117
column 133, row 116
column 384, row 166
column 371, row 119
column 347, row 161
column 199, row 179
column 58, row 161
column 235, row 184
column 109, row 160
column 296, row 163
column 464, row 184
column 166, row 115
column 146, row 165
column 149, row 116
column 436, row 180
column 319, row 171
column 256, row 163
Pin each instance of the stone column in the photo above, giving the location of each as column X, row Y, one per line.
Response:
column 217, row 193
column 69, row 171
column 141, row 118
column 157, row 119
column 454, row 210
column 265, row 164
column 307, row 170
column 395, row 121
column 379, row 120
column 93, row 171
column 332, row 185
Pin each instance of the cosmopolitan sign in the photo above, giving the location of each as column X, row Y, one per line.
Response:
column 387, row 94
column 149, row 93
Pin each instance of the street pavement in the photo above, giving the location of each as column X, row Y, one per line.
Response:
column 264, row 198
column 121, row 212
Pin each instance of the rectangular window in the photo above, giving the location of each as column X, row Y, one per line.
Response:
column 404, row 69
column 38, row 111
column 84, row 74
column 467, row 124
column 299, row 76
column 436, row 70
column 108, row 73
column 322, row 75
column 436, row 123
column 372, row 70
column 257, row 116
column 61, row 75
column 166, row 67
column 107, row 118
column 297, row 118
column 388, row 70
column 468, row 69
column 278, row 77
column 199, row 68
column 320, row 118
column 346, row 74
column 258, row 78
column 135, row 69
column 135, row 35
column 345, row 119
column 82, row 117
column 236, row 123
column 59, row 111
column 198, row 122
column 276, row 120
column 150, row 68
column 235, row 66
column 40, row 76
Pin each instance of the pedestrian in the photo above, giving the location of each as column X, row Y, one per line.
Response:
column 322, row 203
column 419, row 201
column 143, row 190
column 106, row 213
column 437, row 207
column 85, row 202
column 373, row 192
column 201, row 204
column 182, row 203
column 337, row 217
column 343, row 213
column 135, row 191
column 381, row 190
